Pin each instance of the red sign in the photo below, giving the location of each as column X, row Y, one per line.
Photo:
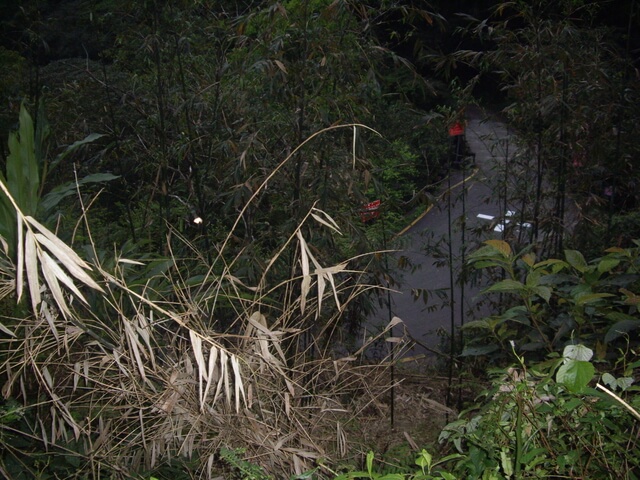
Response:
column 456, row 129
column 370, row 211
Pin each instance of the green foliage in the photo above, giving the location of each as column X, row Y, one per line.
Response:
column 570, row 90
column 547, row 304
column 427, row 469
column 243, row 470
column 22, row 178
column 576, row 371
column 530, row 426
column 26, row 171
column 565, row 321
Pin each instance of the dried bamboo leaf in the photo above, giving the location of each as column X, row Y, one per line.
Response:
column 213, row 356
column 144, row 331
column 129, row 262
column 225, row 378
column 46, row 312
column 327, row 220
column 52, row 283
column 196, row 343
column 281, row 66
column 289, row 385
column 86, row 373
column 394, row 322
column 60, row 245
column 355, row 133
column 64, row 278
column 76, row 376
column 306, row 277
column 47, row 376
column 69, row 259
column 31, row 260
column 321, row 287
column 258, row 321
column 123, row 370
column 238, row 384
column 394, row 339
column 7, row 331
column 287, row 407
column 20, row 247
column 134, row 344
column 222, row 366
column 328, row 274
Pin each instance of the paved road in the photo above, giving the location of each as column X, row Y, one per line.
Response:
column 425, row 244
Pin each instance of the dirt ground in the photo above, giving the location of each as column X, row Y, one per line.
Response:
column 419, row 414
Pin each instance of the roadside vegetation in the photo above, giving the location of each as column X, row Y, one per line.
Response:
column 187, row 262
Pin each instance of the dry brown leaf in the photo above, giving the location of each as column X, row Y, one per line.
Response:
column 20, row 259
column 134, row 344
column 63, row 277
column 52, row 283
column 69, row 259
column 306, row 277
column 327, row 220
column 281, row 66
column 239, row 388
column 31, row 260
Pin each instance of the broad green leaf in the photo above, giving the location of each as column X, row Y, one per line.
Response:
column 370, row 456
column 591, row 297
column 310, row 475
column 483, row 323
column 543, row 292
column 424, row 460
column 447, row 476
column 556, row 264
column 575, row 375
column 620, row 328
column 529, row 259
column 74, row 146
column 632, row 298
column 488, row 253
column 487, row 264
column 53, row 198
column 507, row 464
column 23, row 176
column 608, row 264
column 479, row 350
column 577, row 352
column 501, row 246
column 506, row 286
column 533, row 278
column 614, row 383
column 576, row 260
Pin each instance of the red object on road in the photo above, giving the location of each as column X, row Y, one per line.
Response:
column 370, row 211
column 456, row 129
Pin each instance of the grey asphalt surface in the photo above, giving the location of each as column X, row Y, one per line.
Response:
column 467, row 191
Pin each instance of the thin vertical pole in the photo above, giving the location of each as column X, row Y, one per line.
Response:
column 392, row 370
column 463, row 254
column 452, row 346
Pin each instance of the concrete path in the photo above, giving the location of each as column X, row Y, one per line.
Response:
column 468, row 194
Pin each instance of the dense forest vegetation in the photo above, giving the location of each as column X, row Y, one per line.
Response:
column 188, row 265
